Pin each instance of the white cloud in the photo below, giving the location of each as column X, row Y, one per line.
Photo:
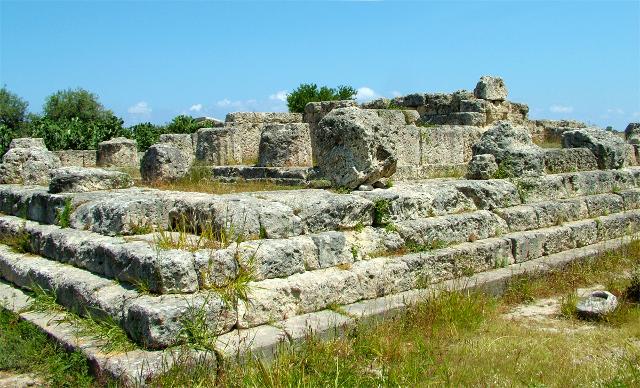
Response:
column 616, row 111
column 281, row 95
column 196, row 108
column 224, row 102
column 366, row 94
column 141, row 108
column 239, row 105
column 560, row 109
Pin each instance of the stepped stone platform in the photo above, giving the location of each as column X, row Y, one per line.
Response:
column 259, row 269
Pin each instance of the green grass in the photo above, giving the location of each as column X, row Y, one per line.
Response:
column 64, row 214
column 25, row 349
column 18, row 243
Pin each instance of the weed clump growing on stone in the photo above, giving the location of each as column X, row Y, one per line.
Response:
column 19, row 242
column 64, row 214
column 381, row 212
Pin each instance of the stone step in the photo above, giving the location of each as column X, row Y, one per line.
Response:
column 294, row 212
column 318, row 289
column 152, row 321
column 134, row 262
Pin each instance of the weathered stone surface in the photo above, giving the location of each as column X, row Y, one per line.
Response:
column 165, row 162
column 569, row 160
column 482, row 167
column 183, row 141
column 158, row 321
column 489, row 194
column 263, row 117
column 596, row 305
column 28, row 142
column 632, row 133
column 355, row 146
column 490, row 88
column 551, row 130
column 608, row 148
column 217, row 146
column 118, row 152
column 285, row 145
column 80, row 179
column 28, row 162
column 513, row 149
column 77, row 158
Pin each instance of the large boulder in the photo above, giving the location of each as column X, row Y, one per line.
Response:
column 217, row 146
column 356, row 146
column 28, row 162
column 513, row 149
column 632, row 133
column 285, row 145
column 490, row 88
column 81, row 179
column 164, row 162
column 608, row 148
column 118, row 152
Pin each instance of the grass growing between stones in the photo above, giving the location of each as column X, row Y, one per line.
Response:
column 199, row 181
column 464, row 339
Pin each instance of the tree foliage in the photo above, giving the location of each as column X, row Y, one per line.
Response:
column 13, row 109
column 306, row 93
column 74, row 103
column 146, row 134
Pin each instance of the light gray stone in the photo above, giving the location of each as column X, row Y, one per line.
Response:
column 285, row 145
column 165, row 162
column 159, row 321
column 513, row 149
column 355, row 146
column 608, row 148
column 632, row 133
column 81, row 179
column 217, row 146
column 184, row 141
column 118, row 152
column 28, row 162
column 490, row 88
column 482, row 167
column 596, row 305
column 569, row 160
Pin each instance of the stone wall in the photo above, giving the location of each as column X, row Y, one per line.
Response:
column 551, row 130
column 239, row 138
column 77, row 158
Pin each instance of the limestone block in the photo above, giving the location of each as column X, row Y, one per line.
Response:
column 276, row 258
column 382, row 276
column 80, row 179
column 527, row 245
column 158, row 321
column 475, row 105
column 482, row 167
column 285, row 145
column 165, row 162
column 558, row 239
column 490, row 88
column 409, row 145
column 263, row 117
column 217, row 146
column 550, row 213
column 604, row 204
column 519, row 218
column 630, row 198
column 331, row 249
column 632, row 133
column 569, row 160
column 513, row 149
column 118, row 152
column 183, row 141
column 28, row 162
column 216, row 268
column 77, row 158
column 490, row 194
column 608, row 148
column 584, row 232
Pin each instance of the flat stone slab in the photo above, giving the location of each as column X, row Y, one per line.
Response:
column 83, row 179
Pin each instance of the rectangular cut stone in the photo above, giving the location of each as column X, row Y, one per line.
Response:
column 584, row 232
column 527, row 245
column 490, row 194
column 324, row 324
column 604, row 204
column 630, row 198
column 261, row 342
column 519, row 218
column 455, row 228
column 558, row 239
column 556, row 213
column 617, row 225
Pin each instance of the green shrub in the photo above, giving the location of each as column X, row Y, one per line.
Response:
column 306, row 93
column 74, row 133
column 146, row 134
column 12, row 117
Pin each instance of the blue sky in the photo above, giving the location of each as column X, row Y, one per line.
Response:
column 149, row 61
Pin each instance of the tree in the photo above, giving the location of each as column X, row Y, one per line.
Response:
column 306, row 93
column 13, row 110
column 74, row 103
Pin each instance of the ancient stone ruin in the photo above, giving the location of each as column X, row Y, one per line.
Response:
column 421, row 191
